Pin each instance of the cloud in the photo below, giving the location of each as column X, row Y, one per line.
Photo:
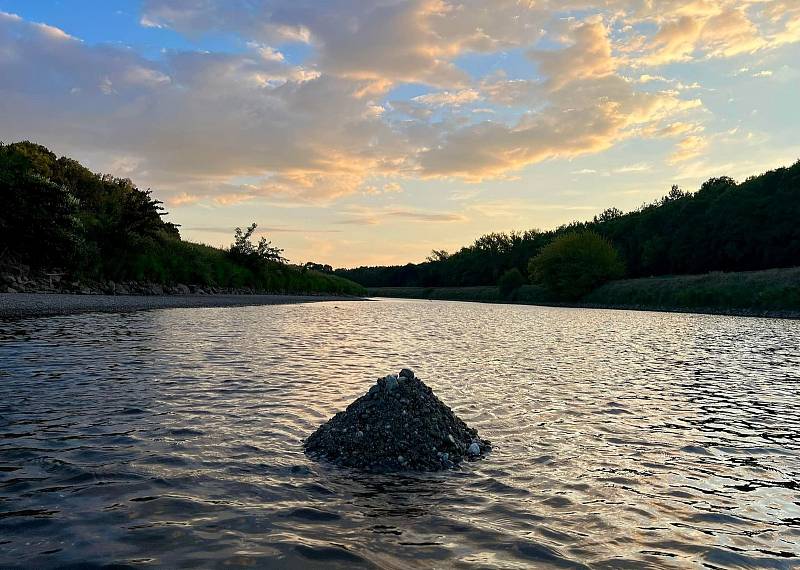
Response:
column 639, row 167
column 228, row 230
column 232, row 199
column 195, row 119
column 197, row 124
column 589, row 56
column 382, row 41
column 388, row 188
column 449, row 99
column 689, row 147
column 718, row 29
column 372, row 217
column 183, row 199
column 587, row 108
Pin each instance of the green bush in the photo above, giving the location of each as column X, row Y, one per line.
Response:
column 510, row 282
column 575, row 263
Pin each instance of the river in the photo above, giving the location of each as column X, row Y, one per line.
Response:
column 622, row 439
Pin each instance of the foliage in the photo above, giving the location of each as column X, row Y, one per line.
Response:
column 320, row 267
column 172, row 261
column 724, row 226
column 255, row 256
column 756, row 291
column 510, row 281
column 575, row 263
column 438, row 255
column 57, row 214
column 769, row 290
column 39, row 219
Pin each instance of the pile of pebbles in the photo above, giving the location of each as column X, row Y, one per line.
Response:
column 399, row 425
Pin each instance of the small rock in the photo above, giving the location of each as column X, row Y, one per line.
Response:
column 391, row 382
column 182, row 289
column 407, row 373
column 474, row 449
column 10, row 290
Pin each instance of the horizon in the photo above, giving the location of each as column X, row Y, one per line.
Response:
column 461, row 121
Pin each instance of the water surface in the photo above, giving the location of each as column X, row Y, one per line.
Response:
column 172, row 438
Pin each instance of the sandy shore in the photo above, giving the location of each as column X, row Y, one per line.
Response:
column 20, row 305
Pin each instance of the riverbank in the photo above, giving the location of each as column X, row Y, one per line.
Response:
column 22, row 305
column 770, row 293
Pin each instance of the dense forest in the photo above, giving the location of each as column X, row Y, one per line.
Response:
column 723, row 226
column 57, row 215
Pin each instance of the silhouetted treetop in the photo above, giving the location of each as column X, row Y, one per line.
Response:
column 724, row 226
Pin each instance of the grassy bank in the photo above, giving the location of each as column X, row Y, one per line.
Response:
column 173, row 261
column 101, row 234
column 771, row 292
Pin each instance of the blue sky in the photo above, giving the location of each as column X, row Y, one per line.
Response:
column 365, row 132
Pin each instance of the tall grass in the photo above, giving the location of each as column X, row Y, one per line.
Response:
column 173, row 261
column 776, row 290
column 772, row 289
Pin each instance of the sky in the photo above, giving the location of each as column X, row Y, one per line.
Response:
column 370, row 132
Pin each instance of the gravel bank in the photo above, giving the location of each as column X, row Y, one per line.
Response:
column 21, row 305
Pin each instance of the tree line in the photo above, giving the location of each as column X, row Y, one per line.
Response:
column 723, row 226
column 58, row 215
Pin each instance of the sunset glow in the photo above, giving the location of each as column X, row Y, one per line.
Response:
column 361, row 133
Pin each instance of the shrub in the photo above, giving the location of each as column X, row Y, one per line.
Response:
column 254, row 255
column 510, row 281
column 575, row 263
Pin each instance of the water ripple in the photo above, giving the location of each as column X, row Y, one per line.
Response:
column 622, row 439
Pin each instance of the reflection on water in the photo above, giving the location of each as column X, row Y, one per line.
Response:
column 622, row 439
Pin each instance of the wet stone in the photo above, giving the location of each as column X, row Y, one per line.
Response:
column 416, row 431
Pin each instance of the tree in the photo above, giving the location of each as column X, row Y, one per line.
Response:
column 321, row 267
column 510, row 281
column 437, row 255
column 575, row 263
column 39, row 222
column 260, row 254
column 609, row 214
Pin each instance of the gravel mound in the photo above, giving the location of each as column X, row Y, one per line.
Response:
column 399, row 425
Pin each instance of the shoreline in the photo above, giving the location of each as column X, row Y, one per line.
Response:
column 26, row 305
column 729, row 312
column 722, row 311
column 770, row 293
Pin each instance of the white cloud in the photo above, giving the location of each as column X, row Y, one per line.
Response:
column 638, row 167
column 449, row 99
column 197, row 123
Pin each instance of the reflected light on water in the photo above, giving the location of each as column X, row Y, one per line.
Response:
column 622, row 439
